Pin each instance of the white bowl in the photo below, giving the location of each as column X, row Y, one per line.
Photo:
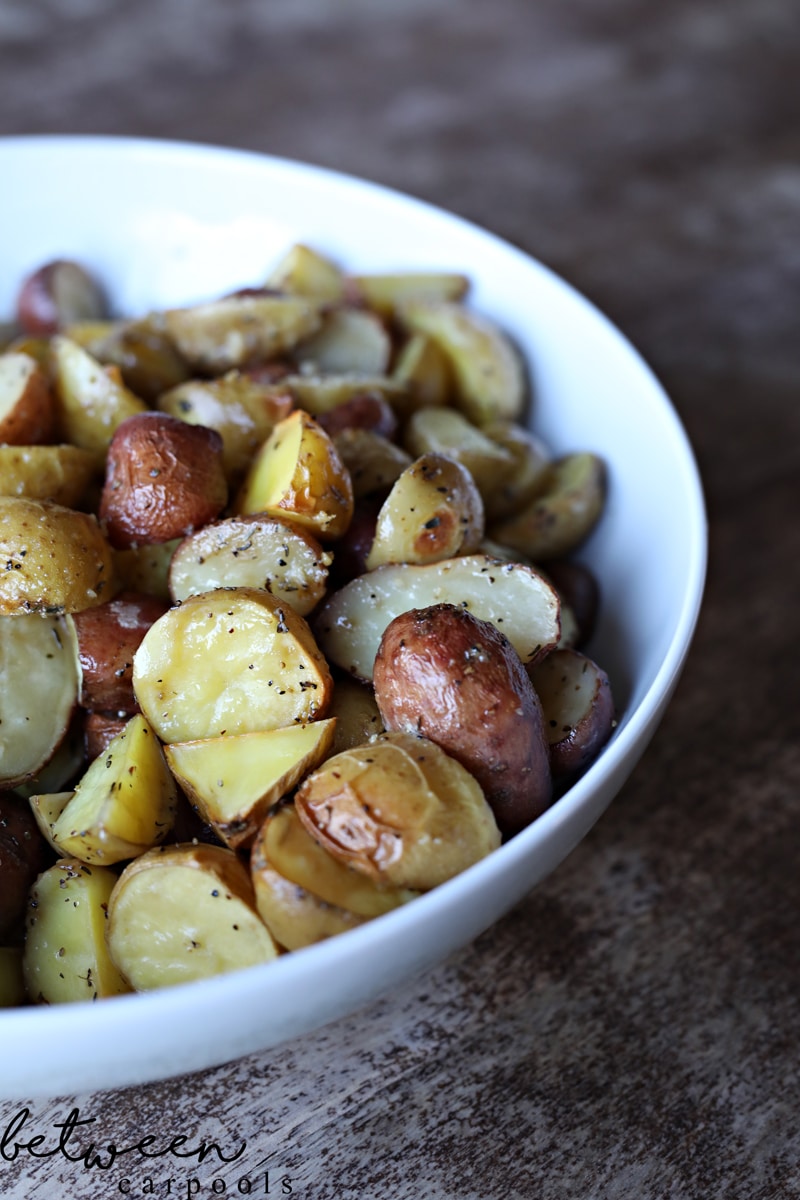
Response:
column 164, row 224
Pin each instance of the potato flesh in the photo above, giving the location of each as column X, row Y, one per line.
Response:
column 234, row 780
column 295, row 917
column 182, row 913
column 399, row 810
column 446, row 431
column 39, row 666
column 304, row 272
column 238, row 331
column 349, row 340
column 578, row 708
column 26, row 403
column 65, row 957
column 233, row 660
column 513, row 597
column 58, row 473
column 124, row 804
column 563, row 516
column 91, row 403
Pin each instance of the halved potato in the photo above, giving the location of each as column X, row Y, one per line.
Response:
column 357, row 715
column 287, row 845
column 124, row 804
column 447, row 431
column 58, row 473
column 240, row 330
column 234, row 780
column 400, row 811
column 57, row 560
column 233, row 660
column 140, row 349
column 349, row 340
column 295, row 917
column 185, row 912
column 146, row 568
column 513, row 597
column 433, row 512
column 386, row 291
column 27, row 408
column 319, row 394
column 298, row 474
column 253, row 551
column 305, row 272
column 47, row 807
column 578, row 709
column 65, row 957
column 529, row 472
column 564, row 515
column 91, row 401
column 107, row 638
column 488, row 372
column 373, row 462
column 423, row 371
column 41, row 677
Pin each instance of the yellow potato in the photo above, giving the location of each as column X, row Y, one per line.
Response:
column 423, row 371
column 447, row 431
column 304, row 272
column 185, row 912
column 563, row 516
column 371, row 460
column 239, row 331
column 47, row 807
column 27, row 410
column 91, row 401
column 295, row 917
column 58, row 473
column 529, row 472
column 256, row 551
column 41, row 677
column 56, row 560
column 349, row 340
column 140, row 349
column 298, row 474
column 400, row 811
column 357, row 715
column 65, row 957
column 318, row 394
column 233, row 660
column 124, row 804
column 433, row 512
column 488, row 372
column 146, row 568
column 232, row 781
column 386, row 291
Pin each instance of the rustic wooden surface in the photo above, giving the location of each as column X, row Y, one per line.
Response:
column 632, row 1029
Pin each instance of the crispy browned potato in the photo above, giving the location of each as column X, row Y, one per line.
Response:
column 23, row 854
column 107, row 638
column 164, row 479
column 578, row 709
column 27, row 408
column 442, row 673
column 56, row 294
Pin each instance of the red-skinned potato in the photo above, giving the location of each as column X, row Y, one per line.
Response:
column 365, row 410
column 56, row 295
column 108, row 637
column 444, row 674
column 164, row 478
column 99, row 730
column 23, row 854
column 27, row 407
column 578, row 708
column 578, row 588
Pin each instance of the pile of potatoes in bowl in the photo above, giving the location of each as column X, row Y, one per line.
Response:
column 291, row 626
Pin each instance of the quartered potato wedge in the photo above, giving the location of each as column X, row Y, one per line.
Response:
column 372, row 461
column 349, row 340
column 446, row 431
column 240, row 330
column 563, row 515
column 578, row 709
column 233, row 660
column 303, row 271
column 295, row 917
column 386, row 292
column 233, row 781
column 185, row 912
column 513, row 597
column 27, row 411
column 91, row 399
column 146, row 358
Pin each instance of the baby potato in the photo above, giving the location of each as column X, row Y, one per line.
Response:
column 357, row 715
column 240, row 331
column 364, row 410
column 447, row 431
column 57, row 293
column 295, row 917
column 27, row 407
column 321, row 394
column 578, row 709
column 99, row 730
column 512, row 596
column 91, row 401
column 580, row 592
column 562, row 516
column 528, row 475
column 23, row 854
column 65, row 957
column 185, row 912
column 140, row 349
column 433, row 512
column 399, row 810
column 56, row 560
column 372, row 461
column 233, row 660
column 39, row 668
column 423, row 371
column 488, row 373
column 386, row 291
column 304, row 272
column 255, row 551
column 164, row 478
column 58, row 473
column 349, row 340
column 107, row 637
column 146, row 568
column 298, row 474
column 444, row 674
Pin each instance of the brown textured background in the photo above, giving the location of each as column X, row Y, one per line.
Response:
column 632, row 1029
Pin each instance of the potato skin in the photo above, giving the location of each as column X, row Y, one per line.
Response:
column 23, row 854
column 164, row 478
column 108, row 637
column 444, row 674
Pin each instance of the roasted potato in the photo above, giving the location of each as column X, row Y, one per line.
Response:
column 357, row 715
column 302, row 271
column 164, row 479
column 298, row 474
column 578, row 709
column 65, row 957
column 349, row 340
column 387, row 291
column 107, row 637
column 364, row 410
column 254, row 551
column 528, row 474
column 60, row 473
column 91, row 400
column 56, row 560
column 240, row 330
column 579, row 590
column 23, row 854
column 350, row 624
column 433, row 512
column 319, row 394
column 147, row 361
column 39, row 668
column 424, row 374
column 295, row 917
column 400, row 811
column 146, row 568
column 233, row 660
column 563, row 516
column 185, row 912
column 372, row 461
column 444, row 674
column 447, row 431
column 27, row 407
column 56, row 294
